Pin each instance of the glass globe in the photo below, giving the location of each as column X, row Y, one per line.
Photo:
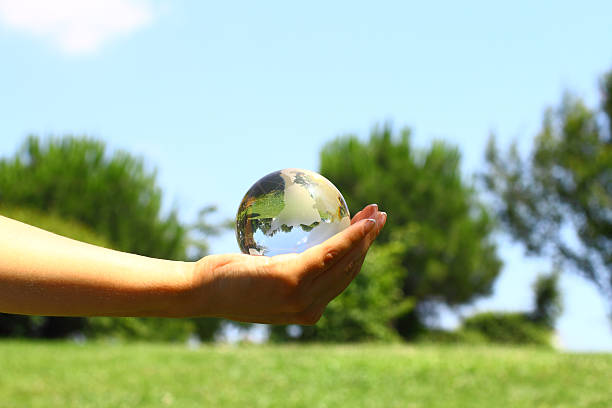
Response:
column 289, row 211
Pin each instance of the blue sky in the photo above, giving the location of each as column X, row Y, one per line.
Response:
column 218, row 94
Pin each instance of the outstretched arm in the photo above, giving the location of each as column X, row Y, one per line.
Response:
column 46, row 274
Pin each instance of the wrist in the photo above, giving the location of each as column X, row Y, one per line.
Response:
column 205, row 293
column 170, row 294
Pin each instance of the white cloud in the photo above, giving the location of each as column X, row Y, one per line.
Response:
column 76, row 26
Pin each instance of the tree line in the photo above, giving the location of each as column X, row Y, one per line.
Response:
column 438, row 247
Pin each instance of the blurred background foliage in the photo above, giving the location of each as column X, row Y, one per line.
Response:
column 437, row 249
column 74, row 187
column 446, row 253
column 114, row 195
column 558, row 201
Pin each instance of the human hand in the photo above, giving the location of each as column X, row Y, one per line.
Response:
column 283, row 289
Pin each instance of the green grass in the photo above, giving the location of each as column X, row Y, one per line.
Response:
column 63, row 374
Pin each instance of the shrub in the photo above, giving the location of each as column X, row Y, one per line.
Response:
column 547, row 299
column 508, row 328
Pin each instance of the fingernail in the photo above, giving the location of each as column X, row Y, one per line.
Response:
column 370, row 223
column 384, row 216
column 374, row 205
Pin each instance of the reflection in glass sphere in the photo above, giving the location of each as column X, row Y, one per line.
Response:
column 289, row 211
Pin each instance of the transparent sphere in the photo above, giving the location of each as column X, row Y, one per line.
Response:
column 289, row 211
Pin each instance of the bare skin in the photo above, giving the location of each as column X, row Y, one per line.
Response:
column 45, row 274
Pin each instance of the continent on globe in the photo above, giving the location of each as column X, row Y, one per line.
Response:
column 289, row 211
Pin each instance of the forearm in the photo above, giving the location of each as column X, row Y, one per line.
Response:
column 46, row 274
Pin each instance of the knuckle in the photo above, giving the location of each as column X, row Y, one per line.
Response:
column 290, row 286
column 330, row 255
column 210, row 262
column 271, row 267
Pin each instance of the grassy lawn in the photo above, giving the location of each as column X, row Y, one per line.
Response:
column 64, row 374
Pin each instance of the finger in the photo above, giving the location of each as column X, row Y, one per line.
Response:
column 384, row 218
column 330, row 292
column 337, row 278
column 381, row 221
column 323, row 256
column 381, row 218
column 367, row 212
column 362, row 248
column 334, row 281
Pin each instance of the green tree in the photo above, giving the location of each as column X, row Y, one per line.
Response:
column 558, row 202
column 113, row 194
column 58, row 225
column 74, row 187
column 440, row 231
column 547, row 305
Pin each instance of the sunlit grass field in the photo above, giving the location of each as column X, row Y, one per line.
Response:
column 66, row 374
